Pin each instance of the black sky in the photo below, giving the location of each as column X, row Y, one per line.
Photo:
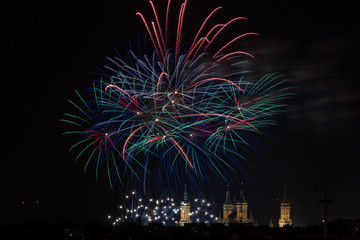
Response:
column 51, row 47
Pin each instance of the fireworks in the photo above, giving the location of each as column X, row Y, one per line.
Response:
column 183, row 113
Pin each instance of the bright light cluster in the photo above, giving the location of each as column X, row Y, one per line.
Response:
column 165, row 211
column 203, row 211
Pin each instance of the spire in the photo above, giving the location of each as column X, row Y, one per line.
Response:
column 227, row 197
column 271, row 225
column 242, row 194
column 251, row 219
column 185, row 194
column 219, row 218
column 285, row 197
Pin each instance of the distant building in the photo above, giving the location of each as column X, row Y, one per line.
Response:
column 236, row 212
column 185, row 210
column 242, row 207
column 228, row 208
column 271, row 225
column 165, row 211
column 251, row 219
column 285, row 210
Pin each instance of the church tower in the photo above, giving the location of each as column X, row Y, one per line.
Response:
column 271, row 225
column 242, row 207
column 251, row 219
column 285, row 210
column 227, row 207
column 185, row 210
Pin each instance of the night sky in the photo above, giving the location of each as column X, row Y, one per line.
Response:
column 51, row 47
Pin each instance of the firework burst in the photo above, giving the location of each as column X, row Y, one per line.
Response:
column 183, row 113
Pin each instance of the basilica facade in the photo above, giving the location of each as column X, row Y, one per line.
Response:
column 238, row 211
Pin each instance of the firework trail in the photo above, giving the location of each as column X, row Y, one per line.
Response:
column 175, row 115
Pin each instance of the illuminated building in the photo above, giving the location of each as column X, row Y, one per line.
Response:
column 185, row 210
column 236, row 212
column 241, row 207
column 169, row 212
column 285, row 210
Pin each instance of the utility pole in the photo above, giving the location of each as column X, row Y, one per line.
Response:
column 326, row 202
